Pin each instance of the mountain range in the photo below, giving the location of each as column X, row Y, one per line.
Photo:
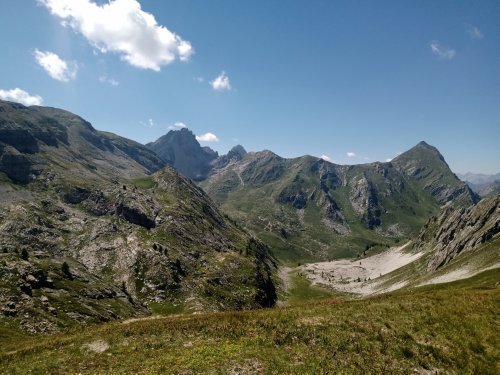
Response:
column 309, row 209
column 96, row 227
column 483, row 184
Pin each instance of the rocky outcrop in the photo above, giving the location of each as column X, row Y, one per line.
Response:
column 17, row 166
column 458, row 230
column 333, row 218
column 364, row 201
column 135, row 214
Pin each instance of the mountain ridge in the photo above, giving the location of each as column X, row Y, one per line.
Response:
column 350, row 206
column 96, row 228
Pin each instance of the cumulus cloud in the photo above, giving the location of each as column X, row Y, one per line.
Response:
column 221, row 82
column 325, row 157
column 122, row 27
column 178, row 125
column 351, row 155
column 207, row 137
column 20, row 96
column 108, row 80
column 56, row 67
column 444, row 53
column 474, row 32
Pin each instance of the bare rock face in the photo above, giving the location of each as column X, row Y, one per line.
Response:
column 15, row 165
column 364, row 201
column 459, row 230
column 181, row 150
column 333, row 218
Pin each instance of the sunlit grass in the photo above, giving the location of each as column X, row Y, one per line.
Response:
column 451, row 328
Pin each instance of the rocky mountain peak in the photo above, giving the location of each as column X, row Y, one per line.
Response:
column 237, row 152
column 421, row 152
column 181, row 150
column 425, row 164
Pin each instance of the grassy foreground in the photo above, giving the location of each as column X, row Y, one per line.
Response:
column 450, row 328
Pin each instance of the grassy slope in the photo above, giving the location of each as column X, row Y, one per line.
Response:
column 256, row 206
column 450, row 327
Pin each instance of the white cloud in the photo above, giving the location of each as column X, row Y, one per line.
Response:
column 351, row 155
column 111, row 81
column 200, row 79
column 122, row 27
column 474, row 32
column 325, row 157
column 442, row 52
column 207, row 137
column 56, row 67
column 20, row 96
column 388, row 160
column 178, row 125
column 149, row 124
column 221, row 82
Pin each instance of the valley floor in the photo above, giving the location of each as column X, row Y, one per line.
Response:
column 386, row 272
column 361, row 276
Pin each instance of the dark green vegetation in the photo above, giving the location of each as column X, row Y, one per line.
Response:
column 88, row 232
column 450, row 328
column 308, row 209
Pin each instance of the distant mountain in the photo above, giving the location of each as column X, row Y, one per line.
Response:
column 479, row 178
column 181, row 150
column 309, row 209
column 89, row 233
column 483, row 184
column 234, row 155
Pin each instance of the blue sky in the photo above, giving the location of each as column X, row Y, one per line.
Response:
column 356, row 81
